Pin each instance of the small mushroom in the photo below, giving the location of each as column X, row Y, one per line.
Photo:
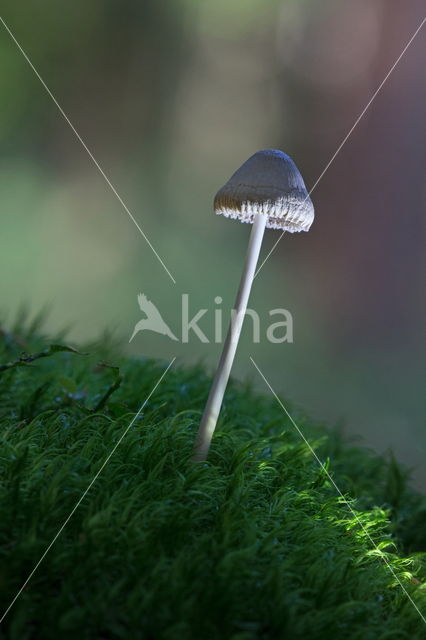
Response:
column 267, row 191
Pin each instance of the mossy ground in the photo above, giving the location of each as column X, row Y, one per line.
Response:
column 254, row 544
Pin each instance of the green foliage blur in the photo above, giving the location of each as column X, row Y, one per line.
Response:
column 171, row 97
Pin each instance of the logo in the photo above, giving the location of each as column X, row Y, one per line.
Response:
column 275, row 332
column 153, row 320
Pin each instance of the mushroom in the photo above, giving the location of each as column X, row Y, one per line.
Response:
column 267, row 191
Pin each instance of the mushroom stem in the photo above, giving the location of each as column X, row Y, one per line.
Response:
column 214, row 401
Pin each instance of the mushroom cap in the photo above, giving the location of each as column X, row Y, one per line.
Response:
column 268, row 183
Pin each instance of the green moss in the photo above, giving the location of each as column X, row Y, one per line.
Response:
column 254, row 544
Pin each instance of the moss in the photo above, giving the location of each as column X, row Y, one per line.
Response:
column 254, row 544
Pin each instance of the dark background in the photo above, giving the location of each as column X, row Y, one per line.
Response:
column 171, row 97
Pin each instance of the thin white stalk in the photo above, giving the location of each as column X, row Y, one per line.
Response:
column 214, row 401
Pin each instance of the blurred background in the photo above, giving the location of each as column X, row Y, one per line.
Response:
column 171, row 97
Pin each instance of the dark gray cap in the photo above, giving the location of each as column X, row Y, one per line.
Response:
column 268, row 183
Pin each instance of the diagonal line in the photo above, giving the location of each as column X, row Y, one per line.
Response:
column 354, row 514
column 89, row 153
column 352, row 129
column 273, row 249
column 86, row 492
